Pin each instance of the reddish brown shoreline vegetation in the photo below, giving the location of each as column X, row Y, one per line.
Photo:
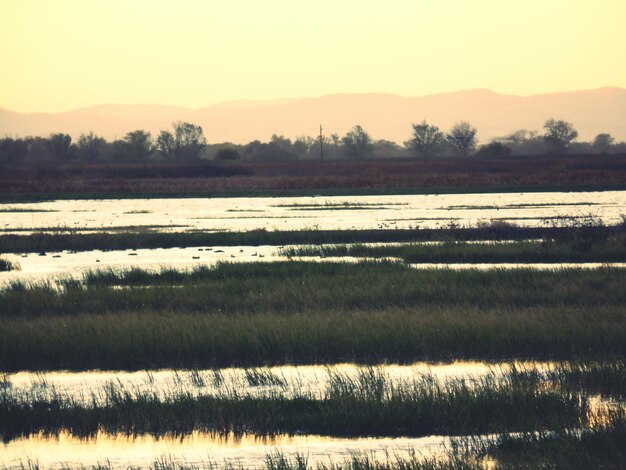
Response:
column 454, row 174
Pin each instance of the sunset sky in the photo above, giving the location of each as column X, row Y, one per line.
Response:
column 58, row 55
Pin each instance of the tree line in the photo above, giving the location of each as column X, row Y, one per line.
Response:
column 186, row 141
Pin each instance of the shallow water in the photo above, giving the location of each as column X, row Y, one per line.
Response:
column 242, row 214
column 61, row 265
column 289, row 380
column 297, row 213
column 200, row 448
column 35, row 267
column 203, row 449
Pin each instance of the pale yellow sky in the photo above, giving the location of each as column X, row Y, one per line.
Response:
column 62, row 54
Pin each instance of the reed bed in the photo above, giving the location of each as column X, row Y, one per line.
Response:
column 600, row 446
column 537, row 421
column 136, row 239
column 574, row 377
column 300, row 287
column 368, row 405
column 607, row 379
column 384, row 176
column 612, row 249
column 144, row 340
column 302, row 313
column 279, row 461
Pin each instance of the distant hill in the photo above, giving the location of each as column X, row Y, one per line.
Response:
column 384, row 116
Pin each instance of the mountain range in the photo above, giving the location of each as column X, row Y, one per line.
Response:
column 384, row 116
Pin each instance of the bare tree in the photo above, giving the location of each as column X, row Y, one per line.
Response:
column 426, row 140
column 462, row 137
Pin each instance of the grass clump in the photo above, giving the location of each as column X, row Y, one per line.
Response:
column 494, row 230
column 607, row 378
column 299, row 287
column 601, row 446
column 363, row 461
column 264, row 313
column 259, row 377
column 612, row 249
column 141, row 340
column 6, row 265
column 368, row 405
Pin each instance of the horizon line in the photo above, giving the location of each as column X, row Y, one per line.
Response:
column 292, row 99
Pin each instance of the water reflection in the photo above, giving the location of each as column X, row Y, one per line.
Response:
column 288, row 380
column 297, row 213
column 198, row 448
column 34, row 267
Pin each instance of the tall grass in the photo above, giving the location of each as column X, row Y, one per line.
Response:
column 291, row 287
column 137, row 341
column 38, row 242
column 548, row 251
column 254, row 314
column 601, row 446
column 605, row 378
column 280, row 461
column 368, row 405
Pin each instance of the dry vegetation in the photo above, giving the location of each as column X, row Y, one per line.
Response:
column 308, row 176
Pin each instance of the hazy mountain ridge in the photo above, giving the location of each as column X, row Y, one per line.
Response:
column 384, row 116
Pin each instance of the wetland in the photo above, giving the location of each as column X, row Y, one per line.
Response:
column 447, row 331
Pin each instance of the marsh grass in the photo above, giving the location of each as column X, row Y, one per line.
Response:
column 140, row 340
column 298, row 286
column 279, row 461
column 607, row 378
column 568, row 434
column 611, row 249
column 24, row 210
column 258, row 377
column 296, row 312
column 493, row 230
column 368, row 405
column 519, row 206
column 601, row 446
column 364, row 461
column 6, row 265
column 340, row 206
column 66, row 230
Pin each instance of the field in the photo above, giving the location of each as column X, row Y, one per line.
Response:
column 313, row 177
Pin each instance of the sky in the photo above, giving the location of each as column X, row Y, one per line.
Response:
column 57, row 55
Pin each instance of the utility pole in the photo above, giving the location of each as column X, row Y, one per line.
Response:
column 321, row 144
